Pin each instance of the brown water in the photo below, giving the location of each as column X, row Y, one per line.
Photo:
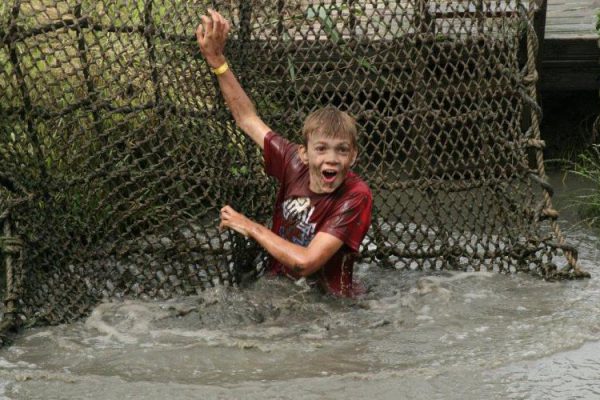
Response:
column 414, row 336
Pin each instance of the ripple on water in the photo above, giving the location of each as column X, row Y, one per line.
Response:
column 571, row 374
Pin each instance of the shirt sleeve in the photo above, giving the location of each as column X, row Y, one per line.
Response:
column 350, row 221
column 277, row 154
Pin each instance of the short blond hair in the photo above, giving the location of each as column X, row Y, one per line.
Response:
column 330, row 122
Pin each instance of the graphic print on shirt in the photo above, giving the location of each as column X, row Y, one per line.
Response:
column 296, row 214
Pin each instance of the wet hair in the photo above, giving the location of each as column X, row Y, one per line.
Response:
column 331, row 123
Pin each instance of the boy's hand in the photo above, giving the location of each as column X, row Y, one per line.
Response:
column 236, row 221
column 212, row 35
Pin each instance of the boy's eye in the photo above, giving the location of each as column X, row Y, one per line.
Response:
column 320, row 149
column 344, row 150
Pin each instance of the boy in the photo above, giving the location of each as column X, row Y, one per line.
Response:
column 323, row 210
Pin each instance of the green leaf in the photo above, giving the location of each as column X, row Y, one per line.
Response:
column 291, row 68
column 363, row 62
column 323, row 14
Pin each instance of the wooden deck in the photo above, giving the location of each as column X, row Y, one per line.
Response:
column 569, row 19
column 570, row 52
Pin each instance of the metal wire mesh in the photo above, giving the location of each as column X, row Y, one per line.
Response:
column 117, row 150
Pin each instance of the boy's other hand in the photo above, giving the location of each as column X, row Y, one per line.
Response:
column 211, row 35
column 234, row 220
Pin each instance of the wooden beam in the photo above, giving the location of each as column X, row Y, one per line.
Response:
column 539, row 23
column 570, row 64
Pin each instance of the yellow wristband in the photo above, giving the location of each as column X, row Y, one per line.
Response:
column 221, row 70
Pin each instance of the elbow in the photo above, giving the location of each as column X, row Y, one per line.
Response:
column 245, row 121
column 305, row 266
column 244, row 114
column 241, row 122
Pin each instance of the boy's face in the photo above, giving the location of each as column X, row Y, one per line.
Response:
column 328, row 160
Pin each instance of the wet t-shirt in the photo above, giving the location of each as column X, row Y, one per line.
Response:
column 299, row 214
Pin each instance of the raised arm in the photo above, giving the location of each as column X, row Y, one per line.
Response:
column 212, row 35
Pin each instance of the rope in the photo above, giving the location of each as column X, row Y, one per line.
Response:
column 530, row 80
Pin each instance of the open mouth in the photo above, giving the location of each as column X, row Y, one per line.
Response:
column 329, row 175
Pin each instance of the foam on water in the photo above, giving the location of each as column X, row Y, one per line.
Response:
column 123, row 322
column 5, row 364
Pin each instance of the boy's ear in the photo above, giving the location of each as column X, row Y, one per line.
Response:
column 354, row 157
column 303, row 154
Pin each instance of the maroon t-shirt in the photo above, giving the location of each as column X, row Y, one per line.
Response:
column 299, row 214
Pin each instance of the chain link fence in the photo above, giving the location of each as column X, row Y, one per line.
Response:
column 117, row 151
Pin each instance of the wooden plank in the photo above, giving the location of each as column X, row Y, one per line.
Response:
column 570, row 53
column 570, row 78
column 572, row 18
column 570, row 64
column 574, row 50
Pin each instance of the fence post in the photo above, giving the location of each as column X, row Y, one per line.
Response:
column 10, row 256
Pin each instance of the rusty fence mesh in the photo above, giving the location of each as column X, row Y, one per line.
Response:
column 117, row 151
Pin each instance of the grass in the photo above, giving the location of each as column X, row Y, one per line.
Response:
column 587, row 166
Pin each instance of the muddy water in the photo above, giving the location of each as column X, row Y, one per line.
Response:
column 413, row 336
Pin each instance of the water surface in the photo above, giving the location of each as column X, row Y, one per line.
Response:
column 415, row 335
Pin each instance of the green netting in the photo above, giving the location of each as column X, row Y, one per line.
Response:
column 117, row 151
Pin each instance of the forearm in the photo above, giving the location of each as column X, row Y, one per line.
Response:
column 301, row 260
column 293, row 256
column 237, row 100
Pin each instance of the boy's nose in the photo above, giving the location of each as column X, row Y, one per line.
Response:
column 332, row 157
